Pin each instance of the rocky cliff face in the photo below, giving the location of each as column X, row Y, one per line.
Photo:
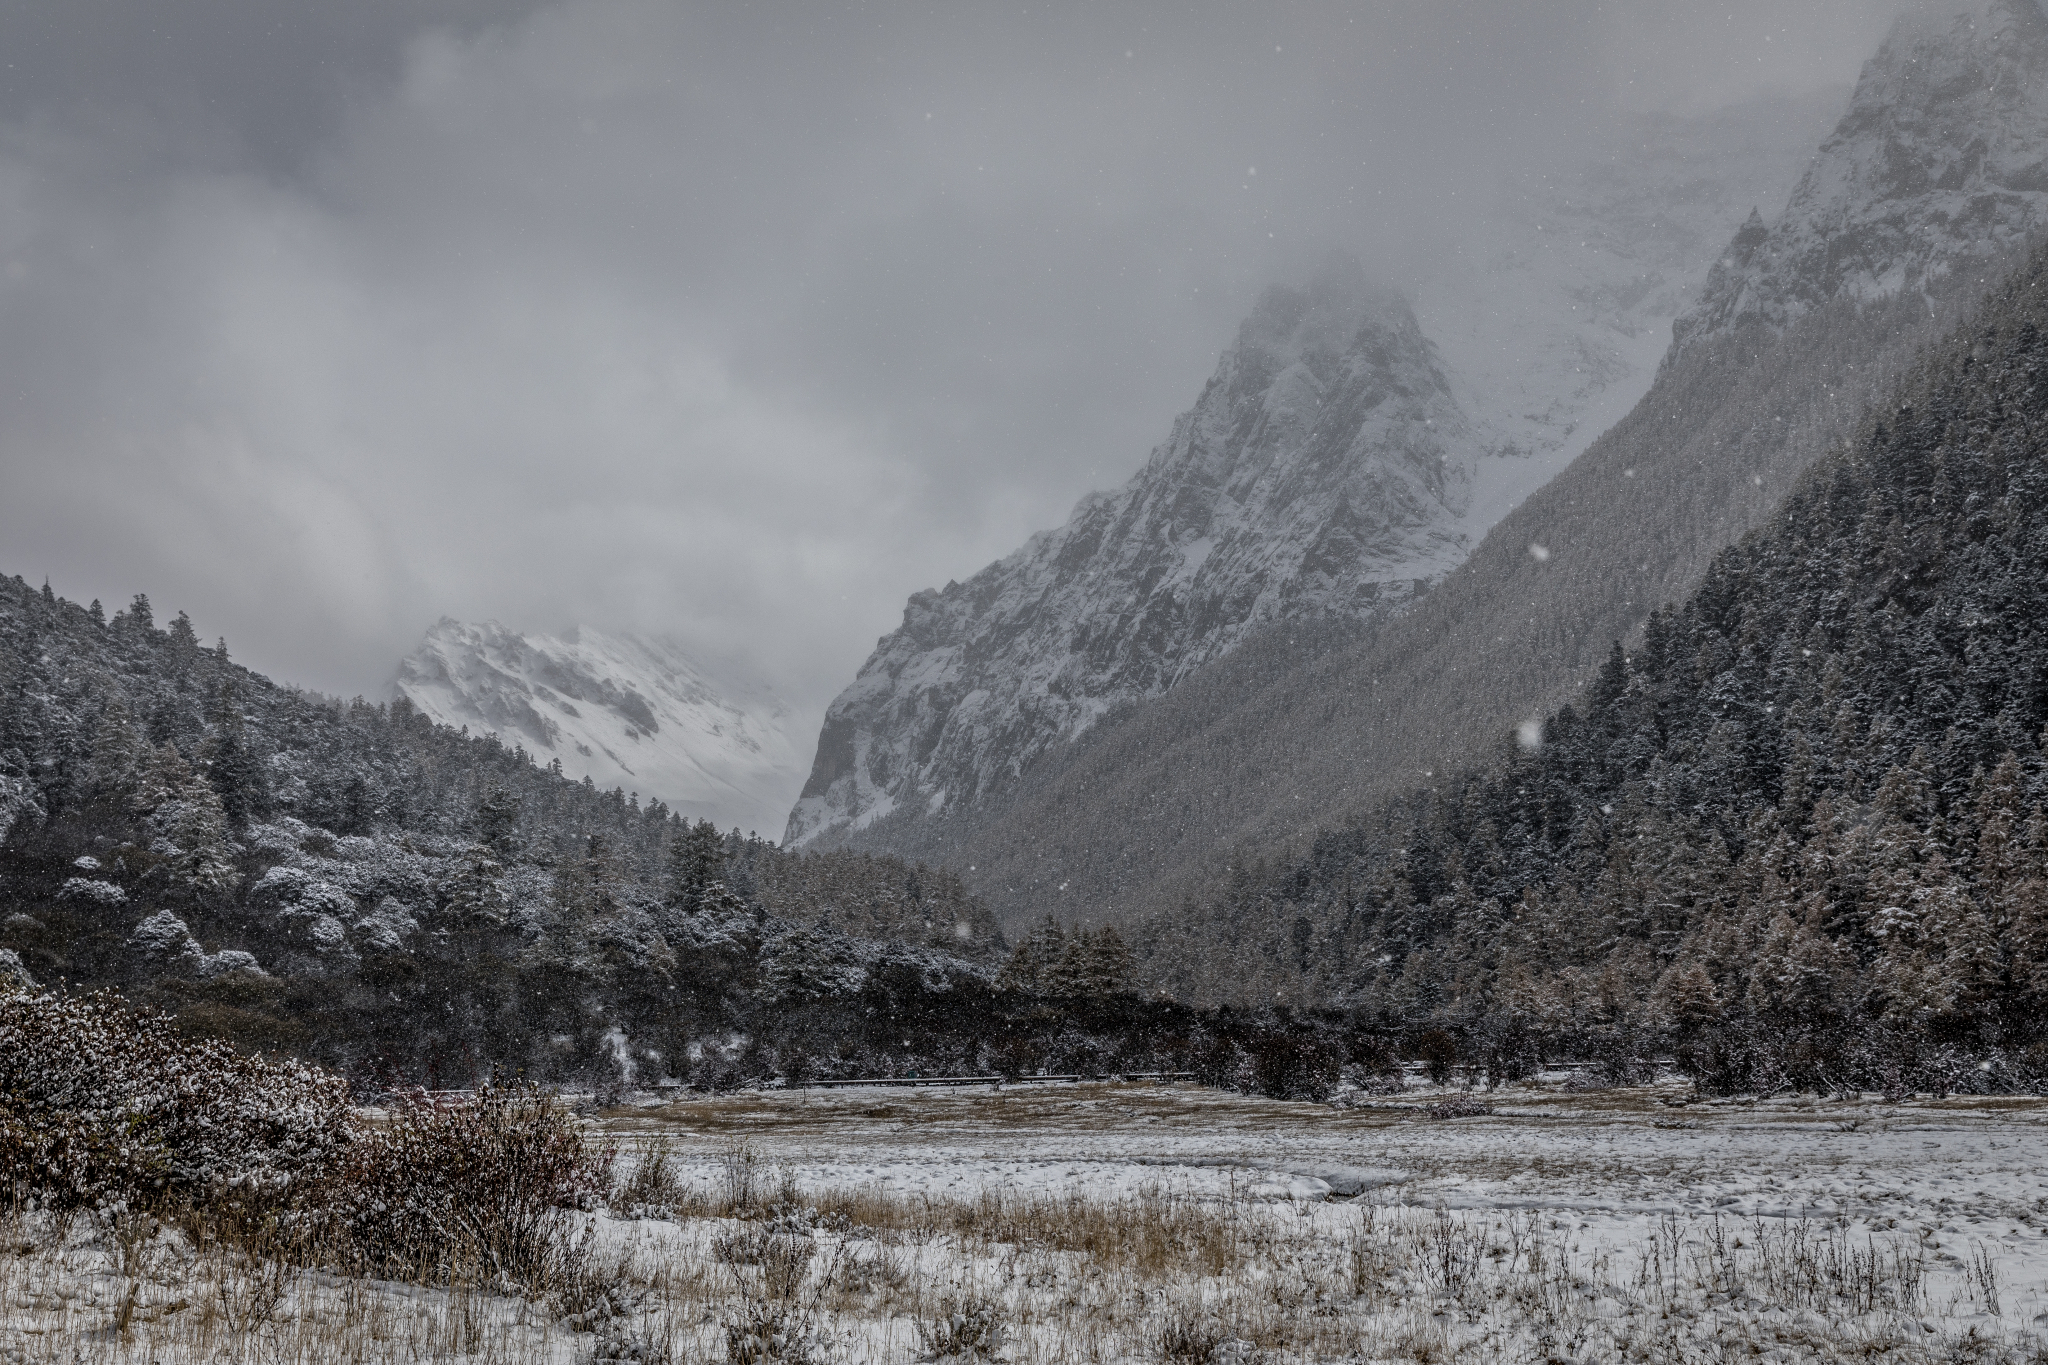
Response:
column 1941, row 161
column 1339, row 461
column 622, row 711
column 1324, row 468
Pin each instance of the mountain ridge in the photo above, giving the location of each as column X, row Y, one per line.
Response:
column 1367, row 504
column 625, row 711
column 1305, row 725
column 1319, row 466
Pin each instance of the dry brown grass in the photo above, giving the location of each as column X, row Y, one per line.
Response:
column 754, row 1269
column 1156, row 1235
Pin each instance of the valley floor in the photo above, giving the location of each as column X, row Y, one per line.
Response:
column 1109, row 1222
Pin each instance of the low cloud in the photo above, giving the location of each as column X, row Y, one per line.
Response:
column 738, row 324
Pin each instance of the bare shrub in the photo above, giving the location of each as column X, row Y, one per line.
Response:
column 100, row 1106
column 1189, row 1337
column 854, row 1273
column 617, row 1343
column 770, row 1334
column 1457, row 1107
column 784, row 1262
column 653, row 1187
column 740, row 1174
column 587, row 1291
column 962, row 1329
column 781, row 1252
column 480, row 1187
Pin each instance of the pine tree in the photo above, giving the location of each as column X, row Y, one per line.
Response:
column 231, row 767
column 118, row 752
column 1109, row 963
column 199, row 828
column 475, row 894
column 1033, row 964
column 497, row 821
column 696, row 862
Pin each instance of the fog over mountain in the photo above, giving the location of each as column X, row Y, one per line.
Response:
column 1913, row 206
column 735, row 326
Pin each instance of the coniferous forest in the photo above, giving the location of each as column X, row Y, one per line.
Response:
column 1797, row 838
column 410, row 905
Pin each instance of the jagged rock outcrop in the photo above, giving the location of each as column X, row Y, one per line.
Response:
column 1323, row 470
column 1941, row 161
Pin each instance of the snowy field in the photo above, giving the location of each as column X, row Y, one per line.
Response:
column 1117, row 1221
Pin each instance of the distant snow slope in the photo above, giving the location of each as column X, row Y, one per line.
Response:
column 1564, row 312
column 623, row 711
column 1348, row 452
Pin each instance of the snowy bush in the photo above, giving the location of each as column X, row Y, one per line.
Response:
column 387, row 926
column 92, row 891
column 100, row 1107
column 229, row 964
column 300, row 893
column 475, row 1189
column 165, row 938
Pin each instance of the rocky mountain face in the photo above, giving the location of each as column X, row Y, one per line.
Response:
column 621, row 710
column 1298, row 726
column 1338, row 463
column 1941, row 160
column 1323, row 469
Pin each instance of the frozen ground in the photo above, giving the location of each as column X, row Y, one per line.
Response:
column 1133, row 1222
column 1961, row 1183
column 1961, row 1172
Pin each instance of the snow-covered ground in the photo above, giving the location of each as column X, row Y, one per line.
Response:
column 1136, row 1222
column 1642, row 1197
column 1968, row 1169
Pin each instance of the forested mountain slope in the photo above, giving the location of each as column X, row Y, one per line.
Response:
column 1308, row 722
column 1801, row 826
column 359, row 884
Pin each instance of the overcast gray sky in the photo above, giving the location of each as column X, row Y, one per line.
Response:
column 738, row 322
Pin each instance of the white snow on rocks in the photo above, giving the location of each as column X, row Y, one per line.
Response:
column 1349, row 451
column 1941, row 161
column 626, row 712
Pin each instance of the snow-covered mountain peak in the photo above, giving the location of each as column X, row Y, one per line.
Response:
column 1346, row 453
column 1288, row 323
column 1942, row 158
column 1318, row 472
column 625, row 711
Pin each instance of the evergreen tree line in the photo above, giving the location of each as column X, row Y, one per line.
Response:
column 1796, row 838
column 409, row 904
